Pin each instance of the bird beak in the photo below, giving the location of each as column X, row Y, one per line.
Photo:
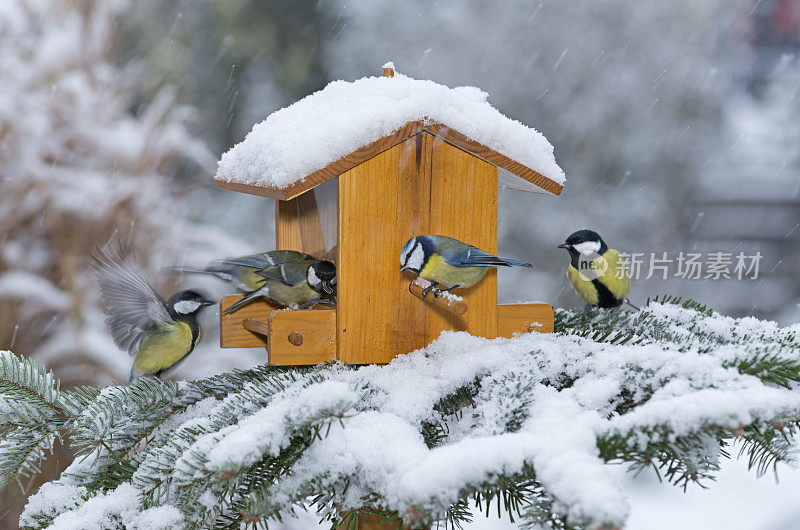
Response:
column 206, row 302
column 327, row 288
column 565, row 245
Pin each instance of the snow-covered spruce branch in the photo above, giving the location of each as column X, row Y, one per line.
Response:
column 524, row 425
column 33, row 413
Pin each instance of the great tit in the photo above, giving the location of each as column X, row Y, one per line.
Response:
column 596, row 271
column 158, row 334
column 294, row 284
column 242, row 271
column 449, row 262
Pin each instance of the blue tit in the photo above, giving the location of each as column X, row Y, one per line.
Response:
column 242, row 272
column 294, row 284
column 158, row 334
column 596, row 272
column 449, row 262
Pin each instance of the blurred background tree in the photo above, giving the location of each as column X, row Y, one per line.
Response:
column 674, row 121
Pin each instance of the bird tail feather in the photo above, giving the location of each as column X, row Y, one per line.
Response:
column 516, row 263
column 249, row 297
column 213, row 271
column 499, row 262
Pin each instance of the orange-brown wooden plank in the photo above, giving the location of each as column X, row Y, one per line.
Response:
column 287, row 226
column 331, row 170
column 316, row 329
column 232, row 333
column 369, row 521
column 382, row 203
column 252, row 189
column 462, row 141
column 368, row 151
column 310, row 224
column 463, row 205
column 521, row 318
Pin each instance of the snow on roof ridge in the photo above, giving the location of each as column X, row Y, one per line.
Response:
column 331, row 123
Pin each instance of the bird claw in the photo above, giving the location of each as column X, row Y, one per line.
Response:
column 636, row 308
column 314, row 303
column 431, row 287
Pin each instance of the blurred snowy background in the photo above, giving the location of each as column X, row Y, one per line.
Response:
column 676, row 123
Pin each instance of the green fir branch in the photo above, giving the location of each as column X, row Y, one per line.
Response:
column 156, row 436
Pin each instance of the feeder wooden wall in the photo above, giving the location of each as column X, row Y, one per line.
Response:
column 422, row 185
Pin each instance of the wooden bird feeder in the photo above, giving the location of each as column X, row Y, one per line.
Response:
column 424, row 177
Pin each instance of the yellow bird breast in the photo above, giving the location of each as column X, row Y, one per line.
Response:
column 609, row 271
column 161, row 349
column 439, row 271
column 583, row 287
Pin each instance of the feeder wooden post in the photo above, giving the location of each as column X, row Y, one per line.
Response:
column 370, row 521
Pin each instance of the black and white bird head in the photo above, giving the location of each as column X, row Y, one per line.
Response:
column 585, row 242
column 415, row 254
column 321, row 276
column 187, row 303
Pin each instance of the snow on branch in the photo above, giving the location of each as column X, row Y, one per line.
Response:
column 529, row 422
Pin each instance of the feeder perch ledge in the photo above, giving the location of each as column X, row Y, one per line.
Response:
column 256, row 326
column 295, row 338
column 447, row 301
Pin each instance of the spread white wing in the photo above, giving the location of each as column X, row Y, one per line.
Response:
column 131, row 304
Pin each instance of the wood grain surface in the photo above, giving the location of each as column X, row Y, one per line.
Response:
column 521, row 318
column 462, row 141
column 310, row 225
column 463, row 205
column 232, row 333
column 369, row 521
column 318, row 330
column 287, row 226
column 382, row 203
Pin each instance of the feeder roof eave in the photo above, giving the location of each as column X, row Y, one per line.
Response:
column 526, row 179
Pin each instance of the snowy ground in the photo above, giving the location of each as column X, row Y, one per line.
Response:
column 737, row 501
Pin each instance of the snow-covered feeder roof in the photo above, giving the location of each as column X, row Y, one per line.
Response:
column 335, row 129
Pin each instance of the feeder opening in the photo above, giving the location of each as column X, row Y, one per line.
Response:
column 309, row 222
column 327, row 197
